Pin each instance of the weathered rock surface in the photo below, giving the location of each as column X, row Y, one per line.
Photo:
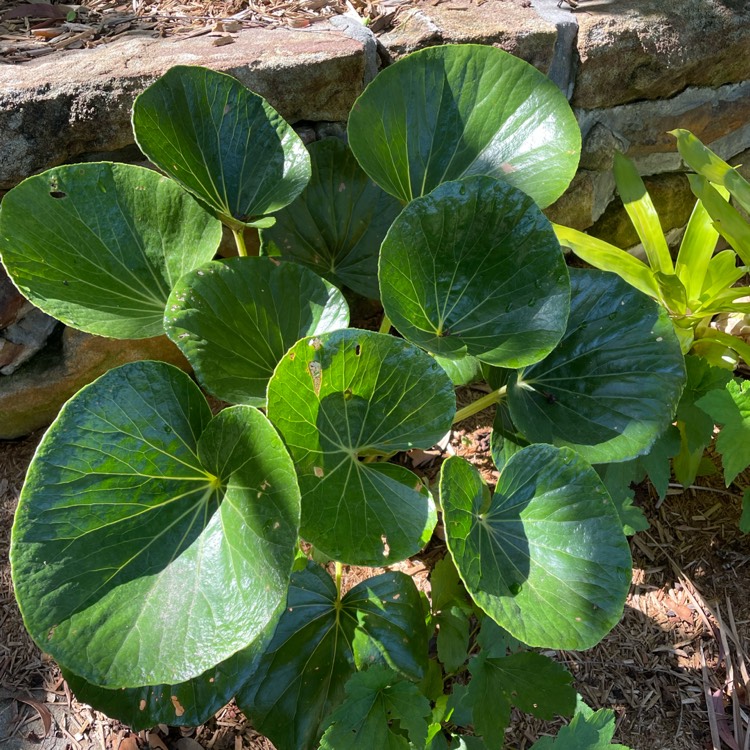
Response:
column 31, row 398
column 653, row 49
column 51, row 112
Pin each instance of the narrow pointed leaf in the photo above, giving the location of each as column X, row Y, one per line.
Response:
column 336, row 225
column 449, row 112
column 234, row 320
column 706, row 163
column 475, row 268
column 545, row 556
column 100, row 246
column 612, row 385
column 606, row 257
column 354, row 393
column 161, row 537
column 640, row 209
column 316, row 648
column 223, row 143
column 697, row 247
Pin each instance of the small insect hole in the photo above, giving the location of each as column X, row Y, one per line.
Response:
column 357, row 350
column 57, row 194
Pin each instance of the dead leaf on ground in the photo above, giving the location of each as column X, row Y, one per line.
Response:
column 41, row 709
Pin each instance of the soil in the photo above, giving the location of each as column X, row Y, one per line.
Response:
column 674, row 666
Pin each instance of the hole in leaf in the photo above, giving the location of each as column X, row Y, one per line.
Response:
column 57, row 194
column 357, row 350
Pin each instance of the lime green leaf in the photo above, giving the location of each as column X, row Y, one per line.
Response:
column 697, row 247
column 545, row 556
column 221, row 142
column 448, row 112
column 672, row 292
column 705, row 162
column 464, row 371
column 612, row 385
column 452, row 638
column 728, row 221
column 234, row 320
column 336, row 226
column 722, row 273
column 606, row 257
column 159, row 536
column 187, row 703
column 731, row 409
column 319, row 644
column 99, row 246
column 640, row 209
column 381, row 711
column 343, row 395
column 529, row 681
column 475, row 268
column 734, row 344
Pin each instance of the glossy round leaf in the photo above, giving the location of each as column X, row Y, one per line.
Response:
column 337, row 224
column 342, row 395
column 186, row 704
column 223, row 143
column 448, row 112
column 545, row 556
column 318, row 645
column 100, row 246
column 234, row 320
column 475, row 268
column 160, row 538
column 612, row 385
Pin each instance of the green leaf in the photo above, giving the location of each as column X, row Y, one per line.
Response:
column 612, row 385
column 464, row 371
column 589, row 730
column 617, row 479
column 446, row 588
column 99, row 246
column 495, row 641
column 640, row 209
column 221, row 142
column 729, row 222
column 380, row 711
column 319, row 644
column 354, row 393
column 234, row 320
column 545, row 556
column 745, row 517
column 448, row 112
column 475, row 268
column 184, row 704
column 731, row 409
column 452, row 638
column 529, row 681
column 722, row 273
column 159, row 537
column 697, row 247
column 336, row 226
column 606, row 257
column 705, row 162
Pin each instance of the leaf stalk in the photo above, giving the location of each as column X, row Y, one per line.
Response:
column 481, row 403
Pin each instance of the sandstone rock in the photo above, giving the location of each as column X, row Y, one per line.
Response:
column 31, row 398
column 50, row 112
column 672, row 199
column 12, row 303
column 508, row 25
column 575, row 207
column 719, row 117
column 20, row 341
column 653, row 49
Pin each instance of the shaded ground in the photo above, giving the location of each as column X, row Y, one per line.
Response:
column 687, row 618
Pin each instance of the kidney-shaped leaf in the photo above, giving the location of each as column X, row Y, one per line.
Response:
column 545, row 556
column 100, row 246
column 318, row 645
column 186, row 704
column 234, row 320
column 350, row 393
column 447, row 112
column 338, row 222
column 612, row 385
column 159, row 537
column 222, row 142
column 475, row 268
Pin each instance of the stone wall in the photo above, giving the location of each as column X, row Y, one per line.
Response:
column 632, row 69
